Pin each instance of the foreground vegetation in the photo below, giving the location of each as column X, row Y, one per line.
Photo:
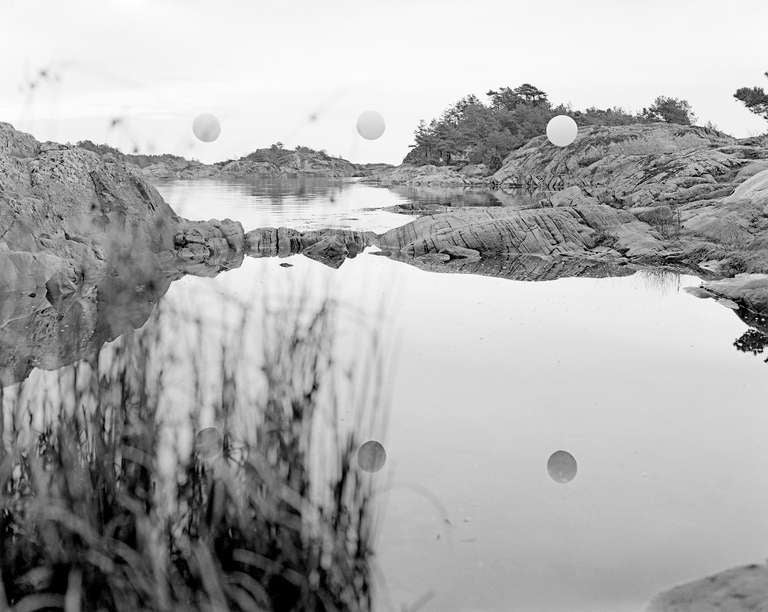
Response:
column 115, row 497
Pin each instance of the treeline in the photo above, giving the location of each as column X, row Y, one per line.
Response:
column 278, row 154
column 473, row 132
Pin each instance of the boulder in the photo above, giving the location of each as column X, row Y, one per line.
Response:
column 87, row 247
column 330, row 250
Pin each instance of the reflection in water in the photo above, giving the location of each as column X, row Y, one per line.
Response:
column 178, row 487
column 752, row 341
column 561, row 467
column 755, row 339
column 114, row 498
column 57, row 328
column 521, row 267
column 371, row 456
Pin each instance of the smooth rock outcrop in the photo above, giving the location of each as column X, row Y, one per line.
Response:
column 741, row 589
column 87, row 246
column 633, row 165
column 625, row 166
column 596, row 230
column 330, row 247
column 746, row 294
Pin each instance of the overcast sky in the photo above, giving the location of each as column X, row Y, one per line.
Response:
column 264, row 67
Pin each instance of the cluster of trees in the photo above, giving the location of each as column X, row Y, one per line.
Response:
column 754, row 98
column 471, row 131
column 278, row 154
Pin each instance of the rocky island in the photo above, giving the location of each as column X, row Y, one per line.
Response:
column 273, row 162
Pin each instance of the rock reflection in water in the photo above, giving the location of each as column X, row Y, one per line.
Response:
column 114, row 496
column 521, row 268
column 54, row 328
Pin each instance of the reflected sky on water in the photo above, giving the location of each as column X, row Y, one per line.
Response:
column 635, row 378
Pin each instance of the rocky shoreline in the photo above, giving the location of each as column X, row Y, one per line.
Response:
column 83, row 234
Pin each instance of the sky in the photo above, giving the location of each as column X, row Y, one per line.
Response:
column 301, row 72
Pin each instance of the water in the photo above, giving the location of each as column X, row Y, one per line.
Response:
column 487, row 378
column 638, row 380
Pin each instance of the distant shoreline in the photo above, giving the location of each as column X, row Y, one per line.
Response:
column 274, row 162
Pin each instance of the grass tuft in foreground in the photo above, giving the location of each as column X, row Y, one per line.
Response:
column 113, row 499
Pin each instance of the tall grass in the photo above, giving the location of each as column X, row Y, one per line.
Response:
column 114, row 496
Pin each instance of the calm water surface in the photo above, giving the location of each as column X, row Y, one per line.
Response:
column 635, row 378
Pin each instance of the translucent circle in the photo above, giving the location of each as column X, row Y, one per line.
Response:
column 370, row 125
column 208, row 443
column 371, row 456
column 562, row 467
column 562, row 130
column 206, row 127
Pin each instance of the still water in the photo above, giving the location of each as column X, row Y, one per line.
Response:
column 633, row 377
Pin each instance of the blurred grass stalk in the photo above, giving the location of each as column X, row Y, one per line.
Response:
column 116, row 497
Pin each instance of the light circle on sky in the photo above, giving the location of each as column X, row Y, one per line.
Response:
column 370, row 125
column 562, row 130
column 206, row 127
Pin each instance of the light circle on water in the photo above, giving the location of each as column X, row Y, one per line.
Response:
column 370, row 125
column 562, row 130
column 206, row 127
column 562, row 467
column 371, row 456
column 208, row 443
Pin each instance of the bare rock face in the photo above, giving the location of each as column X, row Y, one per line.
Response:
column 568, row 231
column 697, row 198
column 740, row 589
column 87, row 246
column 330, row 247
column 633, row 165
column 406, row 174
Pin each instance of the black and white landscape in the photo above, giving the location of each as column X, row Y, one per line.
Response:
column 350, row 306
